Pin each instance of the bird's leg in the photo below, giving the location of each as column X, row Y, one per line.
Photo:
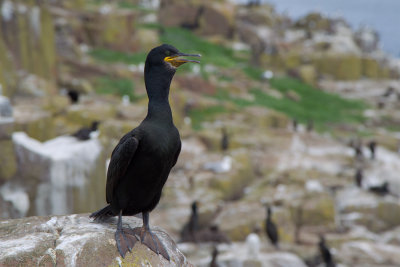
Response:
column 149, row 239
column 124, row 238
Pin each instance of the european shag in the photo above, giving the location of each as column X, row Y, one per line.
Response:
column 372, row 147
column 325, row 253
column 188, row 233
column 381, row 190
column 224, row 140
column 84, row 133
column 73, row 96
column 359, row 177
column 143, row 158
column 271, row 229
column 214, row 256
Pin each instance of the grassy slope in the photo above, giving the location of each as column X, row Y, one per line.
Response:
column 322, row 108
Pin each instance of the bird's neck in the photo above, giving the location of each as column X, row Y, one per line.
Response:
column 159, row 111
column 157, row 87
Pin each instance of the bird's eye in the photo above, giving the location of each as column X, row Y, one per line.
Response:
column 167, row 53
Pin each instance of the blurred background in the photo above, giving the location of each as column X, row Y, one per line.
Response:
column 295, row 107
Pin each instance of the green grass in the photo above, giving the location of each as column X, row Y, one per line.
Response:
column 316, row 105
column 199, row 115
column 111, row 56
column 188, row 42
column 120, row 87
column 253, row 73
column 324, row 109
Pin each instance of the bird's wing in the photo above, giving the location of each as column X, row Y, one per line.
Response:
column 121, row 157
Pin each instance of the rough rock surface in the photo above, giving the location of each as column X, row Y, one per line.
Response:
column 74, row 240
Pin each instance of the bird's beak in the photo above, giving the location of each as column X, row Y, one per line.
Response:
column 176, row 61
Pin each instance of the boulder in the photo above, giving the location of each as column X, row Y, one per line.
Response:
column 239, row 174
column 61, row 176
column 339, row 66
column 364, row 208
column 107, row 27
column 216, row 20
column 178, row 14
column 75, row 240
column 35, row 121
column 318, row 209
column 308, row 74
column 208, row 19
column 369, row 253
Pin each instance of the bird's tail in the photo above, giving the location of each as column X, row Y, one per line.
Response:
column 102, row 214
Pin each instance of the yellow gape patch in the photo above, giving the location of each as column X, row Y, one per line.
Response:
column 175, row 61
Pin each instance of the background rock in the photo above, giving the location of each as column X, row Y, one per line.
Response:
column 60, row 173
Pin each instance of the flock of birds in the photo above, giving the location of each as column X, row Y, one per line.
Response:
column 382, row 189
column 197, row 230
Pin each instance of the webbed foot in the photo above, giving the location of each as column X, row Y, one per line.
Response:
column 149, row 239
column 126, row 240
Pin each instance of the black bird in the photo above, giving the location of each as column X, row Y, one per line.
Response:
column 214, row 256
column 188, row 233
column 84, row 133
column 73, row 96
column 358, row 177
column 358, row 151
column 372, row 148
column 325, row 252
column 143, row 158
column 390, row 90
column 224, row 140
column 381, row 190
column 271, row 229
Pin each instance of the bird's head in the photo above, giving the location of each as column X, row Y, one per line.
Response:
column 167, row 55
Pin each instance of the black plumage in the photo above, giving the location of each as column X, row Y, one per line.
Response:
column 73, row 96
column 325, row 252
column 372, row 147
column 271, row 229
column 188, row 232
column 143, row 158
column 84, row 133
column 359, row 177
column 224, row 140
column 214, row 256
column 381, row 190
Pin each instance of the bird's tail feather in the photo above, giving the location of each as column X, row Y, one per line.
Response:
column 102, row 214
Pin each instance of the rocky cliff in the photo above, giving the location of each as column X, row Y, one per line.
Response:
column 74, row 240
